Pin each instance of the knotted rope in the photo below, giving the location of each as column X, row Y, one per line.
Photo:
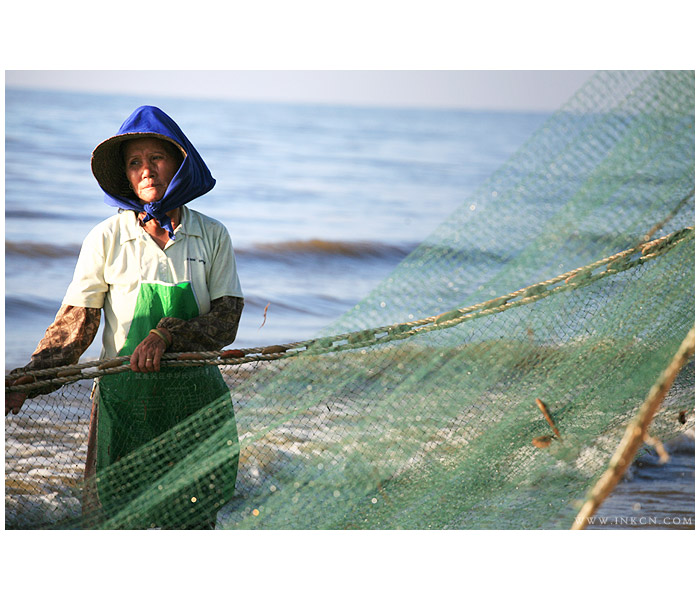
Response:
column 579, row 277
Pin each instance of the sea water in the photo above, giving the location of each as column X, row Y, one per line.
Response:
column 321, row 202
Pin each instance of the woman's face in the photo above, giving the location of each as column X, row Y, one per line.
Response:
column 149, row 168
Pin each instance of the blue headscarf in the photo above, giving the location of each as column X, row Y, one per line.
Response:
column 192, row 179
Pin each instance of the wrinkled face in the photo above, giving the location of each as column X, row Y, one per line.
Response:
column 149, row 168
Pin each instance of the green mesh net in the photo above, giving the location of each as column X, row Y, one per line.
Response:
column 417, row 409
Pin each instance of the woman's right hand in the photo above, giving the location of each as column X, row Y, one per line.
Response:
column 14, row 401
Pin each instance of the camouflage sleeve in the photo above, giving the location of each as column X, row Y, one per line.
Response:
column 212, row 331
column 71, row 333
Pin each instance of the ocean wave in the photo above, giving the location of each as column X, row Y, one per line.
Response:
column 320, row 248
column 313, row 305
column 31, row 214
column 25, row 306
column 39, row 250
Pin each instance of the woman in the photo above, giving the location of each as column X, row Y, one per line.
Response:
column 165, row 276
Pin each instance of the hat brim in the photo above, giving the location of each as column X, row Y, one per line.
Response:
column 107, row 162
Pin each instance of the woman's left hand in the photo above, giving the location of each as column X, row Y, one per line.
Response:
column 146, row 356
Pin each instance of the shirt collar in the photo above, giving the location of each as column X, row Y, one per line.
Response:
column 188, row 225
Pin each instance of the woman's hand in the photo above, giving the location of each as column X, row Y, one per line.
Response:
column 14, row 401
column 146, row 356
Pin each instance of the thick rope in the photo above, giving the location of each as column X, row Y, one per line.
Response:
column 635, row 434
column 582, row 276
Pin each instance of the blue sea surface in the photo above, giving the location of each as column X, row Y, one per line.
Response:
column 321, row 202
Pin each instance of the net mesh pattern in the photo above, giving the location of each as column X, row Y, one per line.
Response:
column 435, row 428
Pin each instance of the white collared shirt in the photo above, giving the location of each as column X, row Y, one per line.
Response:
column 118, row 254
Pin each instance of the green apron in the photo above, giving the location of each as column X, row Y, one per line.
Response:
column 140, row 408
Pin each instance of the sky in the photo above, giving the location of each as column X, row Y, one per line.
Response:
column 506, row 55
column 541, row 90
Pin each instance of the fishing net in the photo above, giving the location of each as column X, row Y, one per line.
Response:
column 567, row 277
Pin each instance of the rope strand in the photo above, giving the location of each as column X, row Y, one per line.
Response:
column 579, row 277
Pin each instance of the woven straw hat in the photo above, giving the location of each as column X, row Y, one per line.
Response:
column 108, row 164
